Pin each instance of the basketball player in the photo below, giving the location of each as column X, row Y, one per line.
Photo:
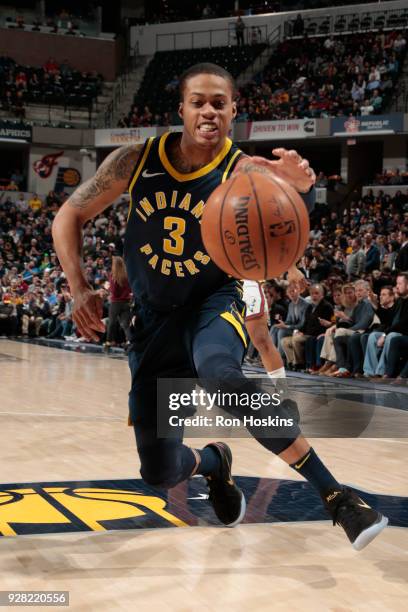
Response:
column 188, row 312
column 256, row 322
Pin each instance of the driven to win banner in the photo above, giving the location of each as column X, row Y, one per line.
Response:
column 294, row 128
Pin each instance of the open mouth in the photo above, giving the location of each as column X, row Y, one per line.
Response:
column 207, row 128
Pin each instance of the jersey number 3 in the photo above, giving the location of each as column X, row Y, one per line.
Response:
column 177, row 227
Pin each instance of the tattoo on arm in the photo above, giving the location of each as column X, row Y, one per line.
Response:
column 117, row 167
column 246, row 165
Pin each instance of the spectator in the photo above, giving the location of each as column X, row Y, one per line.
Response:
column 378, row 345
column 17, row 178
column 297, row 309
column 356, row 261
column 372, row 254
column 360, row 321
column 239, row 31
column 401, row 260
column 367, row 108
column 298, row 26
column 346, row 306
column 384, row 313
column 318, row 322
column 397, row 357
column 120, row 301
column 64, row 322
column 8, row 318
column 31, row 315
column 35, row 203
column 277, row 302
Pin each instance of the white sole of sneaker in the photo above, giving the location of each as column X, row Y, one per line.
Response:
column 369, row 534
column 241, row 514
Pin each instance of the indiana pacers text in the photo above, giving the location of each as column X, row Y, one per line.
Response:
column 174, row 229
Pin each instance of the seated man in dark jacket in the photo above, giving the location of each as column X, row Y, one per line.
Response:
column 397, row 364
column 295, row 317
column 8, row 319
column 294, row 346
column 384, row 309
column 379, row 342
column 401, row 261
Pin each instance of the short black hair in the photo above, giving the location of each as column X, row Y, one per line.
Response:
column 205, row 68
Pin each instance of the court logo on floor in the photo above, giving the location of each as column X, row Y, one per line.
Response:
column 66, row 507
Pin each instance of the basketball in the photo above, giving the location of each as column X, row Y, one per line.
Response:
column 255, row 226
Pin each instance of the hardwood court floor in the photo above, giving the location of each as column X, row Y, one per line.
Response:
column 63, row 417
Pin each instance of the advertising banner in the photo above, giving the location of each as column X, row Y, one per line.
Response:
column 123, row 136
column 277, row 130
column 52, row 170
column 367, row 124
column 15, row 131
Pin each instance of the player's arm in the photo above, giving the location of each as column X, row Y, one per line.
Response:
column 90, row 199
column 290, row 167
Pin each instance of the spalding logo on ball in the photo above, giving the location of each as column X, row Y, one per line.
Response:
column 255, row 226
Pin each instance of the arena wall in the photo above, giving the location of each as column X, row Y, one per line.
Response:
column 34, row 48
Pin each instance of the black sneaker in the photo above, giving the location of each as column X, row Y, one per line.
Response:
column 227, row 499
column 360, row 522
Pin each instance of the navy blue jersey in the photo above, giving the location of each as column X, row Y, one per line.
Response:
column 165, row 257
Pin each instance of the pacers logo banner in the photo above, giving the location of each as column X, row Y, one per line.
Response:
column 54, row 170
column 67, row 507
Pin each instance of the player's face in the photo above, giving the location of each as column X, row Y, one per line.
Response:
column 207, row 109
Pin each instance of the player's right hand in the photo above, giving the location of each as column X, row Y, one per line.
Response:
column 87, row 313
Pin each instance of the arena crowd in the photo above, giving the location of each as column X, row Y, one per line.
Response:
column 321, row 77
column 349, row 317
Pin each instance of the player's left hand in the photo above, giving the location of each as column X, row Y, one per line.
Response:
column 291, row 167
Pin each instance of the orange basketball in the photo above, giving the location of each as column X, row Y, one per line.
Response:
column 255, row 226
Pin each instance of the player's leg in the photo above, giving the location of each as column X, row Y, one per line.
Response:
column 257, row 329
column 218, row 353
column 256, row 322
column 164, row 461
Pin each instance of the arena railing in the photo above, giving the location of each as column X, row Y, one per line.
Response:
column 208, row 38
column 272, row 41
column 350, row 23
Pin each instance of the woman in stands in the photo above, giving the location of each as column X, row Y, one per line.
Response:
column 120, row 301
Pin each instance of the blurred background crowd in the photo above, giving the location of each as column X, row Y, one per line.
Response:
column 348, row 317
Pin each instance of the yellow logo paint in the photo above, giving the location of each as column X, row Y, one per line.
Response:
column 92, row 506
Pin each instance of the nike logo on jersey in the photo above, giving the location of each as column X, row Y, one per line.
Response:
column 147, row 174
